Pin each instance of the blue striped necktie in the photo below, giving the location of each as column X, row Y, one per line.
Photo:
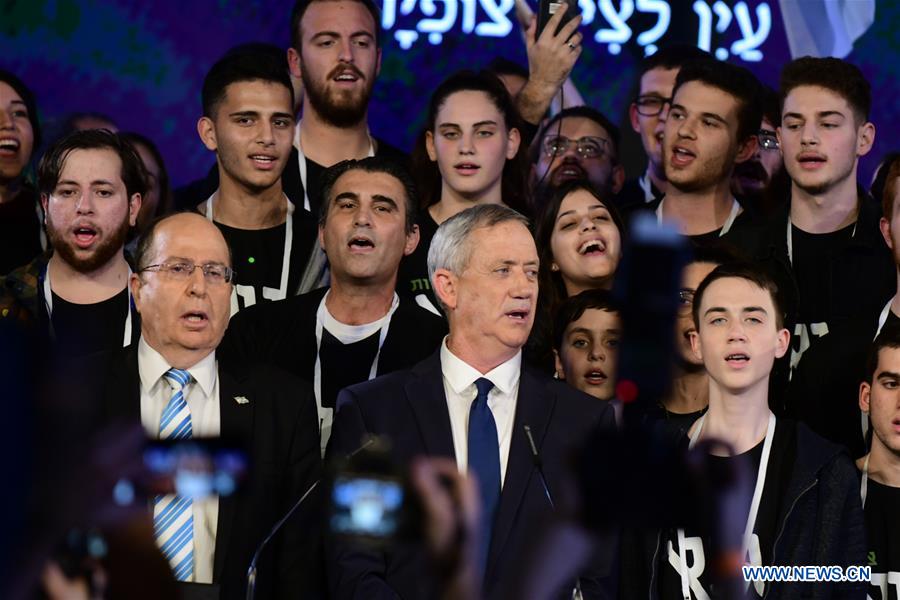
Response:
column 173, row 516
column 484, row 461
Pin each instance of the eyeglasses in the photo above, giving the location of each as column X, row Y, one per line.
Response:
column 213, row 273
column 588, row 146
column 767, row 139
column 650, row 106
column 685, row 299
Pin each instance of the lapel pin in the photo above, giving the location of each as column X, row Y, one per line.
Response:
column 241, row 400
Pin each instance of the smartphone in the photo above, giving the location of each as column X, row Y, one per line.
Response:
column 195, row 468
column 367, row 506
column 548, row 8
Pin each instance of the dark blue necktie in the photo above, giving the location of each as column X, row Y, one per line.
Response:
column 484, row 461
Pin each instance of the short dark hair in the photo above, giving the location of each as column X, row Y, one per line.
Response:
column 573, row 308
column 133, row 174
column 671, row 57
column 248, row 62
column 372, row 164
column 166, row 198
column 731, row 79
column 771, row 105
column 579, row 111
column 839, row 76
column 514, row 186
column 887, row 180
column 747, row 271
column 30, row 104
column 888, row 337
column 553, row 289
column 299, row 10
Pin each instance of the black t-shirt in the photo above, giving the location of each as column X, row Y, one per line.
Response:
column 314, row 186
column 892, row 321
column 883, row 535
column 764, row 531
column 813, row 254
column 345, row 364
column 20, row 230
column 412, row 278
column 82, row 329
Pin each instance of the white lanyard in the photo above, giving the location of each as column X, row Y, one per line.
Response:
column 645, row 185
column 726, row 227
column 288, row 241
column 864, row 484
column 790, row 241
column 754, row 504
column 326, row 415
column 882, row 318
column 301, row 159
column 48, row 302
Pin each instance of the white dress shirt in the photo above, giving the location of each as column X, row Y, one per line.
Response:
column 459, row 388
column 202, row 397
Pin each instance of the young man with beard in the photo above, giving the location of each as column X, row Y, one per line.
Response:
column 336, row 52
column 760, row 183
column 248, row 122
column 879, row 399
column 91, row 184
column 358, row 327
column 711, row 125
column 804, row 509
column 656, row 79
column 578, row 143
column 826, row 240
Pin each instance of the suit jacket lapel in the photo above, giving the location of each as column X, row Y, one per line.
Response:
column 533, row 408
column 236, row 425
column 425, row 393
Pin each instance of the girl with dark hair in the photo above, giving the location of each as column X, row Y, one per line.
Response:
column 21, row 234
column 579, row 240
column 470, row 153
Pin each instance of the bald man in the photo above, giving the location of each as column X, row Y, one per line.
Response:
column 172, row 382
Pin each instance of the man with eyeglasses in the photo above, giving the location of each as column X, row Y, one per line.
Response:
column 173, row 382
column 760, row 181
column 578, row 143
column 91, row 184
column 656, row 79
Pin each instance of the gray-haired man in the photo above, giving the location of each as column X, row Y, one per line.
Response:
column 471, row 401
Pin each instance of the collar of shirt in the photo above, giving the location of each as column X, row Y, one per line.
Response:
column 152, row 366
column 460, row 375
column 350, row 334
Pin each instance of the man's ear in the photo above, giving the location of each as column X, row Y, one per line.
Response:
column 207, row 130
column 412, row 240
column 883, row 224
column 865, row 138
column 865, row 397
column 45, row 199
column 782, row 341
column 695, row 345
column 135, row 284
column 746, row 149
column 634, row 118
column 618, row 178
column 445, row 287
column 560, row 370
column 293, row 58
column 134, row 207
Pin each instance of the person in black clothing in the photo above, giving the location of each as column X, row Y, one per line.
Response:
column 359, row 327
column 248, row 122
column 711, row 126
column 577, row 143
column 656, row 79
column 890, row 230
column 805, row 507
column 20, row 133
column 91, row 185
column 470, row 153
column 880, row 468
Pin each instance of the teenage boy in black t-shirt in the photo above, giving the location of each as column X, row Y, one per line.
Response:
column 805, row 505
column 879, row 397
column 890, row 230
column 359, row 327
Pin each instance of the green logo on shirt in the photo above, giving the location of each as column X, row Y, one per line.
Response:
column 872, row 561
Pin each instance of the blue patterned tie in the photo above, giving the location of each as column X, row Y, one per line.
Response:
column 484, row 461
column 173, row 516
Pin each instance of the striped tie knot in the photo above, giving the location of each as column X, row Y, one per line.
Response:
column 178, row 377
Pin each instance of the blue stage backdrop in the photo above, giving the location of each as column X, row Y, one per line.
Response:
column 142, row 63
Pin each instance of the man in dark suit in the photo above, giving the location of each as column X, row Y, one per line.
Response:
column 173, row 383
column 483, row 265
column 359, row 327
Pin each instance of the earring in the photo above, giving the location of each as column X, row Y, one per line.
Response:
column 555, row 374
column 554, row 267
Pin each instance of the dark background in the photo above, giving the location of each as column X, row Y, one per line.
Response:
column 143, row 63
